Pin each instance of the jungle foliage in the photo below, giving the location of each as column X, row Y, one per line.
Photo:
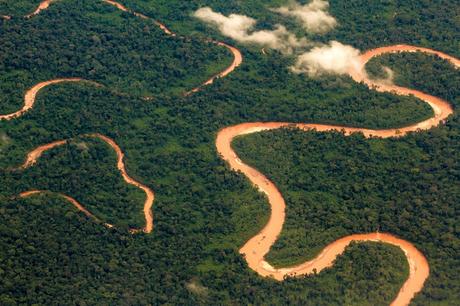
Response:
column 203, row 212
column 406, row 186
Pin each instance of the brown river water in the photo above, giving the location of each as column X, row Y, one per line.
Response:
column 257, row 247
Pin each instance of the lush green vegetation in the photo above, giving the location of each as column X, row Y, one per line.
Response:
column 100, row 43
column 80, row 169
column 363, row 24
column 92, row 265
column 370, row 24
column 204, row 212
column 427, row 72
column 335, row 186
column 18, row 8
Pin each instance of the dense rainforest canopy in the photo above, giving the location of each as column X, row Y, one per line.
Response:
column 333, row 185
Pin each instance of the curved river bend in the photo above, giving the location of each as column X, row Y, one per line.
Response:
column 35, row 154
column 29, row 101
column 258, row 246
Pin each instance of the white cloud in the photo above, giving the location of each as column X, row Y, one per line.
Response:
column 335, row 58
column 314, row 15
column 238, row 27
column 332, row 58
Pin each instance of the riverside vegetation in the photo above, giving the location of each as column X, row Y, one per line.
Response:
column 204, row 212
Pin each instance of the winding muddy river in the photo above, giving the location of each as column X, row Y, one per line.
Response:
column 29, row 97
column 35, row 154
column 257, row 247
column 42, row 6
column 237, row 56
column 74, row 202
